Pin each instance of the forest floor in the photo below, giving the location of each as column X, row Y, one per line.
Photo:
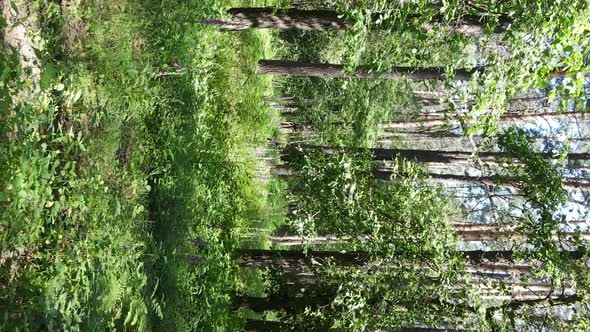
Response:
column 128, row 155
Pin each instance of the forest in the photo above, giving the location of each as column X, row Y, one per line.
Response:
column 295, row 165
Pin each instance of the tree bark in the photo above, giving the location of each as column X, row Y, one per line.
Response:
column 292, row 258
column 509, row 181
column 282, row 172
column 485, row 232
column 498, row 270
column 327, row 70
column 258, row 258
column 253, row 325
column 465, row 232
column 284, row 19
column 290, row 305
column 295, row 240
column 481, row 256
column 427, row 120
column 555, row 300
column 321, row 20
column 423, row 156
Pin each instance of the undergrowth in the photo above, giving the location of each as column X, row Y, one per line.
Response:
column 128, row 168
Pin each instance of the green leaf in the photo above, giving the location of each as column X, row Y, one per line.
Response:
column 48, row 74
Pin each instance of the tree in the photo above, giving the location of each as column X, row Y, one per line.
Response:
column 328, row 70
column 294, row 153
column 499, row 180
column 320, row 20
column 273, row 18
column 253, row 325
column 427, row 121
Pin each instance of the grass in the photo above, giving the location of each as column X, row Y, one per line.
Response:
column 122, row 193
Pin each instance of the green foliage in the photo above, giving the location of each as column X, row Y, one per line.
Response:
column 337, row 193
column 540, row 181
column 346, row 112
column 542, row 38
column 538, row 177
column 124, row 192
column 108, row 171
column 402, row 225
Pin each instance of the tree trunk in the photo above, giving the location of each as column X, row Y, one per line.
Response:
column 498, row 270
column 486, row 232
column 293, row 258
column 276, row 326
column 429, row 329
column 424, row 156
column 321, row 20
column 507, row 181
column 290, row 305
column 284, row 19
column 427, row 121
column 327, row 70
column 253, row 325
column 282, row 172
column 295, row 240
column 289, row 259
column 465, row 232
column 481, row 256
column 554, row 301
column 295, row 152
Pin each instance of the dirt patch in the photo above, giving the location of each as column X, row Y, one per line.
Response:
column 18, row 35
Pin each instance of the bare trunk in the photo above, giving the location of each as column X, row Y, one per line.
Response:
column 498, row 270
column 427, row 121
column 485, row 232
column 504, row 181
column 321, row 20
column 253, row 325
column 277, row 326
column 298, row 240
column 423, row 156
column 282, row 172
column 465, row 232
column 284, row 19
column 274, row 302
column 290, row 258
column 257, row 258
column 326, row 70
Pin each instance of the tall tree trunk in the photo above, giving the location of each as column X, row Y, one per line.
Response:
column 284, row 19
column 507, row 181
column 320, row 20
column 257, row 258
column 465, row 232
column 277, row 326
column 282, row 172
column 293, row 258
column 554, row 301
column 427, row 121
column 294, row 152
column 430, row 329
column 498, row 270
column 290, row 305
column 327, row 70
column 295, row 240
column 253, row 325
column 485, row 232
